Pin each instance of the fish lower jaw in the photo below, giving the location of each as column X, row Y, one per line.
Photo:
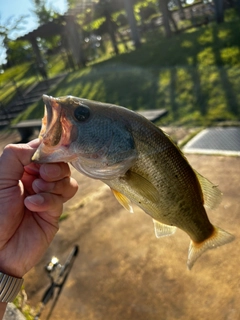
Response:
column 57, row 154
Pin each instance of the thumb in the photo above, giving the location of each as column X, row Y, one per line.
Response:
column 13, row 160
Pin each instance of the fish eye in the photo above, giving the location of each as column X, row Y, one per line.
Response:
column 82, row 113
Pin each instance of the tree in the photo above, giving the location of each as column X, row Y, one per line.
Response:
column 18, row 52
column 43, row 14
column 219, row 11
column 132, row 22
column 167, row 18
column 47, row 44
column 181, row 10
column 7, row 30
column 163, row 5
column 104, row 8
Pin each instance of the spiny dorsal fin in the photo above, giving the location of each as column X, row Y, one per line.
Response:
column 162, row 230
column 123, row 200
column 144, row 187
column 212, row 196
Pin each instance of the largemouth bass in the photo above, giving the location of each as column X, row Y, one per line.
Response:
column 137, row 161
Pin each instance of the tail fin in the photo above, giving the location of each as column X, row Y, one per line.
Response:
column 218, row 238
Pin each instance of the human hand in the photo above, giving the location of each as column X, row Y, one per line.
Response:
column 31, row 202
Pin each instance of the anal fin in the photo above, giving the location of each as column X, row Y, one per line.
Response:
column 163, row 230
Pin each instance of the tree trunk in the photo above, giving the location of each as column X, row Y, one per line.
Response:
column 132, row 22
column 40, row 63
column 111, row 31
column 219, row 11
column 181, row 10
column 163, row 4
column 170, row 18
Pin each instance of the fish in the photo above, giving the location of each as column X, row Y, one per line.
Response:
column 138, row 161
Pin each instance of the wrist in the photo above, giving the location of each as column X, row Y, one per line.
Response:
column 11, row 267
column 12, row 272
column 3, row 306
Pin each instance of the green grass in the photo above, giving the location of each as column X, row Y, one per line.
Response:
column 194, row 75
column 17, row 76
column 22, row 304
column 24, row 75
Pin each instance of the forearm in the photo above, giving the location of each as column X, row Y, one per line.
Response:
column 3, row 306
column 9, row 289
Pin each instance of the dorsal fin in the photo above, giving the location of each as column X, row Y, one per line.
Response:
column 212, row 196
column 123, row 200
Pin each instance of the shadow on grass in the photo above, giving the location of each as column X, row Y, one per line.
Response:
column 132, row 87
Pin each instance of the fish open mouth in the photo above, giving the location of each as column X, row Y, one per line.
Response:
column 54, row 134
column 51, row 130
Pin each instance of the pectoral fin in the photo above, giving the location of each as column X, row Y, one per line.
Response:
column 144, row 187
column 212, row 196
column 162, row 230
column 123, row 200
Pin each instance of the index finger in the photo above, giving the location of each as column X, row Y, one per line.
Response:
column 13, row 160
column 54, row 171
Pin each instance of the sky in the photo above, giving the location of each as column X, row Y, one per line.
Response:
column 17, row 8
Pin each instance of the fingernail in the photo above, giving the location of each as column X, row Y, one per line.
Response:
column 51, row 169
column 36, row 199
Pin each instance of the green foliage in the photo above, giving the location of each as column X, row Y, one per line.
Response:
column 44, row 14
column 144, row 9
column 64, row 216
column 71, row 3
column 7, row 30
column 21, row 303
column 95, row 24
column 19, row 51
column 120, row 18
column 21, row 76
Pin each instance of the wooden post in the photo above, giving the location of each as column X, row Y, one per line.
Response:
column 40, row 62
